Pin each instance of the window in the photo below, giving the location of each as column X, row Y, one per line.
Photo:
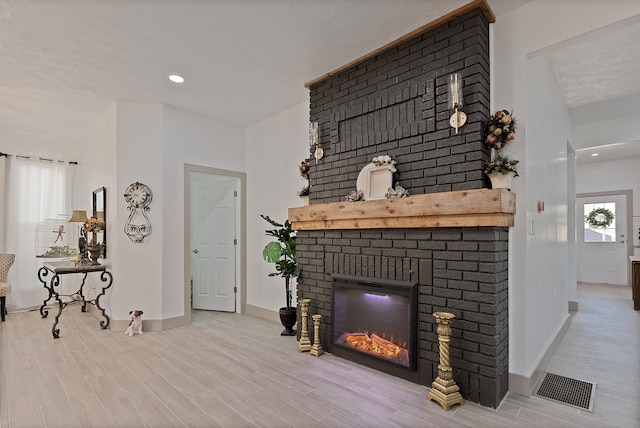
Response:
column 600, row 234
column 36, row 190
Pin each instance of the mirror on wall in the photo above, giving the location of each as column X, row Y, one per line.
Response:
column 100, row 211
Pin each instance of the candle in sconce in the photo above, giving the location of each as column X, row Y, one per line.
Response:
column 455, row 102
column 455, row 91
column 313, row 133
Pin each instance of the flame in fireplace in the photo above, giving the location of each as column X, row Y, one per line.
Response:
column 376, row 345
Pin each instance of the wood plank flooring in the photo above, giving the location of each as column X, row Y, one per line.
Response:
column 230, row 370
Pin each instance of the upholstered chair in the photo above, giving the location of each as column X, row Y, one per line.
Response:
column 6, row 260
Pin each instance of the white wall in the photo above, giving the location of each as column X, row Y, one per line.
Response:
column 189, row 139
column 98, row 168
column 596, row 133
column 516, row 37
column 154, row 142
column 39, row 145
column 572, row 243
column 275, row 148
column 621, row 174
column 540, row 284
column 99, row 161
column 137, row 268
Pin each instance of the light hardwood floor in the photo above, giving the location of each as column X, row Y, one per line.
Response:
column 229, row 370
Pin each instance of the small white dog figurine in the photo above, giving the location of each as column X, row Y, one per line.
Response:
column 135, row 326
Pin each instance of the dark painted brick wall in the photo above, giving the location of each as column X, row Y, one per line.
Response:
column 396, row 104
column 459, row 270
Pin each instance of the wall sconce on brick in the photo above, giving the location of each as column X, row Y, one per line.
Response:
column 455, row 102
column 313, row 141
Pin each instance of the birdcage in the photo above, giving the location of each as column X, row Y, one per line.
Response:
column 56, row 238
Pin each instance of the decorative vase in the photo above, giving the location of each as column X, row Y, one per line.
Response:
column 288, row 319
column 305, row 200
column 94, row 255
column 501, row 180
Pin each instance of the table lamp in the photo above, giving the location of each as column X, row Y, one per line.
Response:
column 80, row 216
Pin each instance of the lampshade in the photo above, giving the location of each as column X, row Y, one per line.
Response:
column 79, row 216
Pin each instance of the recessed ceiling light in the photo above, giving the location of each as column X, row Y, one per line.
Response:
column 176, row 78
column 594, row 155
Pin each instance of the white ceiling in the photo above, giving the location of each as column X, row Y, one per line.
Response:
column 599, row 78
column 63, row 62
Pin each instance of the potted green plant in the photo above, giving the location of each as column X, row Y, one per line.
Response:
column 282, row 252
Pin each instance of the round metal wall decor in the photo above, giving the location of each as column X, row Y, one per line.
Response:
column 138, row 196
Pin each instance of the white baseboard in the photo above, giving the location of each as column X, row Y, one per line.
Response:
column 524, row 385
column 265, row 314
column 147, row 325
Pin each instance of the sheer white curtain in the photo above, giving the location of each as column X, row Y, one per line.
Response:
column 35, row 190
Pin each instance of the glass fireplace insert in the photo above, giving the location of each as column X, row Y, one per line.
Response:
column 374, row 322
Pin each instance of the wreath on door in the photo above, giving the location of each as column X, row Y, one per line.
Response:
column 599, row 217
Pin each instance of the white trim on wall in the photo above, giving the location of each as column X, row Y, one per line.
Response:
column 241, row 263
column 628, row 194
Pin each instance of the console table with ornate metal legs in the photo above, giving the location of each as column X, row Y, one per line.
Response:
column 53, row 287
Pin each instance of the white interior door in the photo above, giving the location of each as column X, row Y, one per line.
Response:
column 213, row 241
column 603, row 262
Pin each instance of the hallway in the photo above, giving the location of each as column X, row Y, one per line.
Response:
column 602, row 345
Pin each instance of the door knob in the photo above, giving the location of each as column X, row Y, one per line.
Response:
column 195, row 251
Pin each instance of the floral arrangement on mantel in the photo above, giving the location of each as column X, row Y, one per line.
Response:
column 354, row 196
column 392, row 193
column 385, row 160
column 501, row 164
column 498, row 130
column 396, row 192
column 305, row 172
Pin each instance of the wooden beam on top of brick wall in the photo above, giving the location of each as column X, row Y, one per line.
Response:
column 482, row 4
column 463, row 208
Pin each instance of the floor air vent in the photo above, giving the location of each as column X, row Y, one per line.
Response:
column 576, row 393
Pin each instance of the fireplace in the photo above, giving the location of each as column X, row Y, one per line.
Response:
column 450, row 236
column 375, row 323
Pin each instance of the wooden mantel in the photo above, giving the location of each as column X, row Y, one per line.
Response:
column 463, row 208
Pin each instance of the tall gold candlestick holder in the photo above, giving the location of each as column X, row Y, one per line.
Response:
column 444, row 389
column 316, row 349
column 305, row 342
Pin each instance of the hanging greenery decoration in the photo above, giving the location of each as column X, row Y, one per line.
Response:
column 599, row 217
